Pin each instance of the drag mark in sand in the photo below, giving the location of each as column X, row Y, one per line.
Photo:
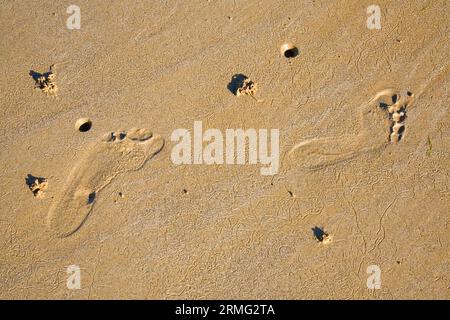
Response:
column 114, row 154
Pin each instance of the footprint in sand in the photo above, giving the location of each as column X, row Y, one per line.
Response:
column 114, row 154
column 381, row 121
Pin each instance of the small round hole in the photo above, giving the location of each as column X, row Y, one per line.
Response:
column 83, row 124
column 288, row 50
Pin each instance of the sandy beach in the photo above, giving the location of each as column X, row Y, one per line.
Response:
column 110, row 189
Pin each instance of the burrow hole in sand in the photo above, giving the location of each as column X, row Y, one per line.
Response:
column 83, row 124
column 288, row 50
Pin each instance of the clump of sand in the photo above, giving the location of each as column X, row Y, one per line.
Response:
column 322, row 236
column 327, row 238
column 248, row 87
column 46, row 82
column 38, row 187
